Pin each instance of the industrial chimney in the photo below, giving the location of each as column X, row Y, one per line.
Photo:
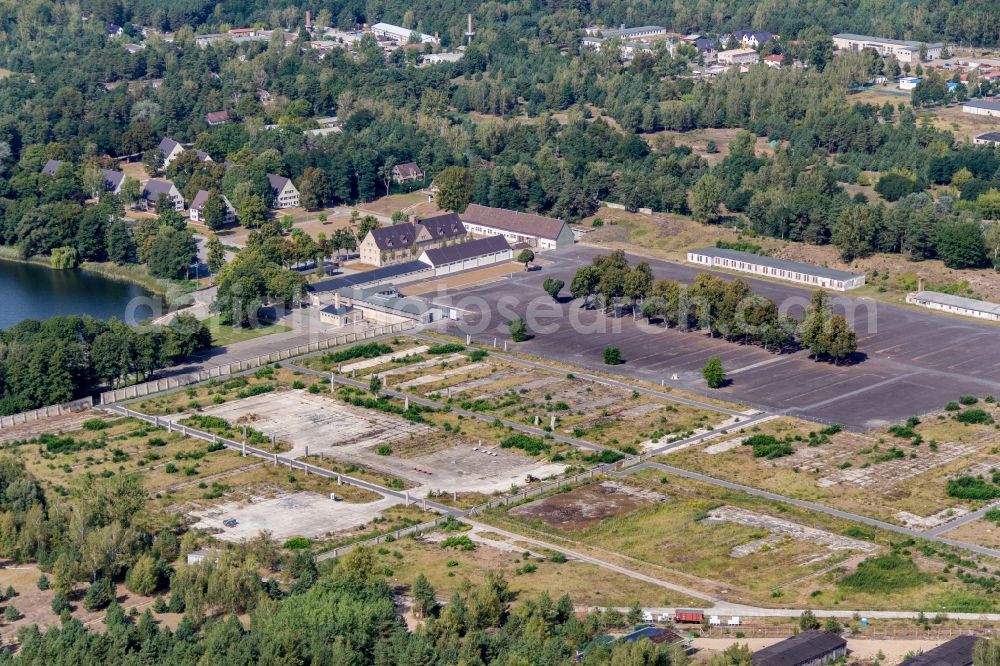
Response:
column 469, row 32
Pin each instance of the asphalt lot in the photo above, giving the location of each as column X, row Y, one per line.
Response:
column 914, row 361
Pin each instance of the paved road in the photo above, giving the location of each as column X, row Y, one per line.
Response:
column 812, row 506
column 961, row 520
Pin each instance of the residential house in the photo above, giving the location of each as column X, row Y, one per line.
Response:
column 197, row 209
column 214, row 118
column 285, row 193
column 171, row 150
column 402, row 242
column 751, row 40
column 537, row 231
column 154, row 189
column 115, row 30
column 51, row 168
column 403, row 173
column 774, row 60
column 906, row 51
column 739, row 57
column 113, row 180
column 202, row 155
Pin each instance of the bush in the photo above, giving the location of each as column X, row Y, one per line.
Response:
column 384, row 449
column 446, row 348
column 968, row 400
column 11, row 614
column 368, row 350
column 885, row 574
column 974, row 416
column 767, row 446
column 478, row 355
column 95, row 424
column 43, row 582
column 99, row 595
column 612, row 356
column 530, row 445
column 952, row 407
column 297, row 543
column 972, row 488
column 458, row 543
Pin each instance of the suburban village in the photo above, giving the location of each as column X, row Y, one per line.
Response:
column 607, row 343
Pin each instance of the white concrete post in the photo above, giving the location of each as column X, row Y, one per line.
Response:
column 468, row 339
column 406, row 402
column 272, row 439
column 168, row 426
column 339, row 482
column 243, row 448
column 331, row 380
column 307, row 452
column 505, row 345
column 536, row 419
column 407, row 498
column 494, row 343
column 552, row 422
column 275, row 459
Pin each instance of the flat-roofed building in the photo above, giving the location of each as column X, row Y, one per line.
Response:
column 968, row 307
column 791, row 271
column 739, row 57
column 906, row 51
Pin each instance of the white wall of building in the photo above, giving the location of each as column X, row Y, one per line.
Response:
column 776, row 273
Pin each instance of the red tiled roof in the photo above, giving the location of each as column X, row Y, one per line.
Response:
column 525, row 224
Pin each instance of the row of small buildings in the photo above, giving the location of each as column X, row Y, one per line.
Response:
column 817, row 648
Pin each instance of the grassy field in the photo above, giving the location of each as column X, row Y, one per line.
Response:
column 223, row 335
column 671, row 539
column 878, row 474
column 452, row 570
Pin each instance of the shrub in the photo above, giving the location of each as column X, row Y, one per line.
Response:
column 968, row 400
column 11, row 613
column 95, row 424
column 384, row 450
column 458, row 543
column 952, row 407
column 43, row 582
column 478, row 355
column 972, row 488
column 530, row 445
column 368, row 350
column 60, row 602
column 885, row 574
column 445, row 348
column 767, row 446
column 974, row 416
column 612, row 356
column 297, row 543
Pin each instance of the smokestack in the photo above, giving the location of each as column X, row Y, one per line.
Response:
column 413, row 218
column 336, row 300
column 920, row 283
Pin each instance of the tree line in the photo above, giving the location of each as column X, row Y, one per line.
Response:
column 725, row 308
column 64, row 358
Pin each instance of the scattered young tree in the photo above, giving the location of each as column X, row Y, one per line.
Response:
column 525, row 257
column 518, row 330
column 714, row 373
column 215, row 254
column 612, row 356
column 808, row 621
column 706, row 196
column 552, row 287
column 424, row 598
column 454, row 188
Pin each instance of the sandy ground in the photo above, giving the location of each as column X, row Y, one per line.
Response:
column 297, row 514
column 860, row 648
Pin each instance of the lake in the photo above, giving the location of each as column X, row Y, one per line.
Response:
column 30, row 291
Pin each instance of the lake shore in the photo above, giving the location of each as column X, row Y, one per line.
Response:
column 172, row 293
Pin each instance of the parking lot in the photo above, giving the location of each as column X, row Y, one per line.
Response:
column 914, row 361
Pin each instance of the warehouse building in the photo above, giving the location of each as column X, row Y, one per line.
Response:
column 537, row 231
column 956, row 652
column 959, row 305
column 906, row 51
column 791, row 271
column 464, row 256
column 810, row 648
column 982, row 107
column 987, row 139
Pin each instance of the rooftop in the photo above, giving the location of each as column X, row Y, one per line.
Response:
column 885, row 40
column 799, row 649
column 991, row 104
column 386, row 297
column 956, row 652
column 526, row 224
column 469, row 250
column 368, row 277
column 780, row 264
column 989, row 136
column 957, row 301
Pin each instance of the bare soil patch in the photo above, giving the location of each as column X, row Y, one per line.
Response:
column 587, row 506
